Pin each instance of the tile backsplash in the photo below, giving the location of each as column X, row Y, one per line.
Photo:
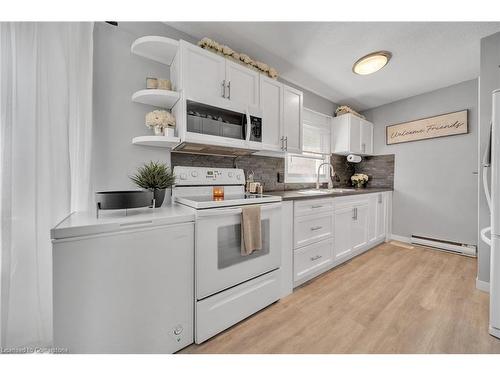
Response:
column 379, row 168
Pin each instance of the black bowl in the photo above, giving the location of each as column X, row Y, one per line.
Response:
column 117, row 200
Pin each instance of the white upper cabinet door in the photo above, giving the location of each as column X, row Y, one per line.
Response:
column 342, row 222
column 292, row 119
column 354, row 134
column 360, row 224
column 316, row 132
column 204, row 73
column 271, row 102
column 242, row 84
column 366, row 137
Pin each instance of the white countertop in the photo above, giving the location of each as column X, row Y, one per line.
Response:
column 86, row 223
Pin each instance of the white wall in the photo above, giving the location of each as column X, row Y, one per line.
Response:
column 117, row 75
column 435, row 180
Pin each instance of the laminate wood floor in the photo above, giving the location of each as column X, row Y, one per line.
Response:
column 391, row 299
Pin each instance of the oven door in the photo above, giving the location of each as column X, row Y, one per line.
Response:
column 219, row 263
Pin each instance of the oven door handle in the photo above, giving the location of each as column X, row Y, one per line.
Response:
column 232, row 211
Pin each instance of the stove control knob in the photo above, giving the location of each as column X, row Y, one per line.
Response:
column 230, row 174
column 238, row 177
column 183, row 176
column 194, row 173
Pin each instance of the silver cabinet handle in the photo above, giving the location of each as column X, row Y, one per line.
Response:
column 354, row 213
column 229, row 90
column 316, row 257
column 316, row 228
column 224, row 88
column 363, row 147
column 282, row 140
column 380, row 198
column 286, row 143
column 317, row 206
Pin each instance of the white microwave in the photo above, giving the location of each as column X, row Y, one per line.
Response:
column 230, row 126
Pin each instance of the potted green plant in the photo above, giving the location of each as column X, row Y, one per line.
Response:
column 156, row 177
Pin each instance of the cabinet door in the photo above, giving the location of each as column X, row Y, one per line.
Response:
column 340, row 135
column 242, row 84
column 204, row 73
column 271, row 99
column 359, row 226
column 381, row 216
column 292, row 119
column 354, row 134
column 343, row 218
column 366, row 137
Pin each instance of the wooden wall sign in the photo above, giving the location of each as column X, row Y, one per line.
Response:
column 431, row 127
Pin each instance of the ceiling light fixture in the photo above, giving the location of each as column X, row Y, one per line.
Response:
column 371, row 63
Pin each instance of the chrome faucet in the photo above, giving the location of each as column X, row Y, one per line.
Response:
column 332, row 174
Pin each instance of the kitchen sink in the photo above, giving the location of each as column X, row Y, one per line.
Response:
column 324, row 191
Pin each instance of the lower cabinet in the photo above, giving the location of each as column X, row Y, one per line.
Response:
column 312, row 260
column 346, row 227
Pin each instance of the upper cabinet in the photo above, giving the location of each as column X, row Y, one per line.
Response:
column 352, row 135
column 204, row 73
column 282, row 116
column 242, row 84
column 292, row 119
column 271, row 102
column 208, row 76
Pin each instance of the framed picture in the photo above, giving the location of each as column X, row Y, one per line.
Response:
column 431, row 127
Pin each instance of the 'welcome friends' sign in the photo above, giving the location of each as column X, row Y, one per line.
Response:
column 432, row 127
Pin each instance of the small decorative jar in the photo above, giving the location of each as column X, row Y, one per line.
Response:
column 151, row 83
column 164, row 84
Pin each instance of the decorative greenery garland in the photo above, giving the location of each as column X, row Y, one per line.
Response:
column 210, row 44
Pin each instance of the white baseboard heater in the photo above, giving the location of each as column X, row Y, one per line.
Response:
column 454, row 247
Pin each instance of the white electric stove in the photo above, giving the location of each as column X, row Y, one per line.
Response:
column 228, row 286
column 195, row 188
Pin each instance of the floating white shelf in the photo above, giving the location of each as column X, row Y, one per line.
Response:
column 158, row 98
column 157, row 48
column 156, row 141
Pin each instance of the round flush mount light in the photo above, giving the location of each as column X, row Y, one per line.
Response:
column 371, row 63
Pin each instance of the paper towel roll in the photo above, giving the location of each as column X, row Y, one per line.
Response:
column 353, row 158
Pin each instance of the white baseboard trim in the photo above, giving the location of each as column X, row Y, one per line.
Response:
column 396, row 237
column 483, row 285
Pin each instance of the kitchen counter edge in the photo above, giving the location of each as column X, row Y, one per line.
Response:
column 291, row 195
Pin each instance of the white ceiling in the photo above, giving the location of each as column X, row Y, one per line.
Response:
column 319, row 55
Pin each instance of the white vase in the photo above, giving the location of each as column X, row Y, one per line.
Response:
column 158, row 130
column 169, row 132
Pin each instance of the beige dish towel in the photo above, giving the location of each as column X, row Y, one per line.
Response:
column 250, row 230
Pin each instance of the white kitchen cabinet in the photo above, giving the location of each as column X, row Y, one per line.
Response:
column 242, row 84
column 381, row 216
column 312, row 260
column 271, row 102
column 209, row 77
column 360, row 225
column 343, row 217
column 352, row 135
column 204, row 73
column 292, row 119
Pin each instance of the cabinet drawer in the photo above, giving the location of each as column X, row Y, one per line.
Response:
column 309, row 207
column 312, row 260
column 314, row 228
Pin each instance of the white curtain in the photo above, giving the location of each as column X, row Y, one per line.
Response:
column 45, row 151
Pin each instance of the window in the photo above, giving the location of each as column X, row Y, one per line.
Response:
column 316, row 150
column 304, row 167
